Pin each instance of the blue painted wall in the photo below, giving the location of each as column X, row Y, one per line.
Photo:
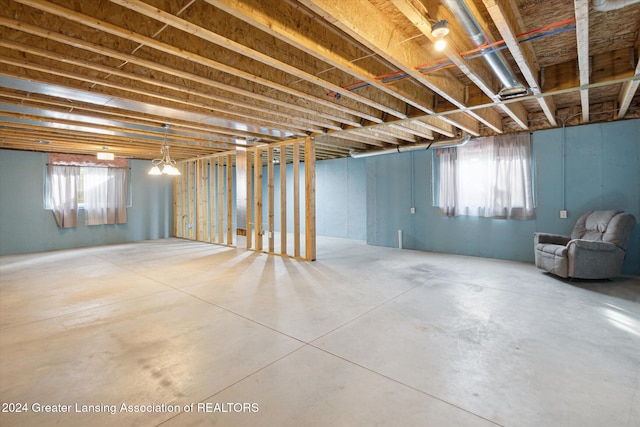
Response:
column 340, row 198
column 25, row 226
column 602, row 171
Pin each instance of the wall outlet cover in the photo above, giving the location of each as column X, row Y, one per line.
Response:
column 563, row 214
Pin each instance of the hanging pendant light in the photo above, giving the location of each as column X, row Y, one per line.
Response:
column 168, row 166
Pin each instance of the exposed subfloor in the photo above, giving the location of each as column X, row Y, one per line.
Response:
column 364, row 336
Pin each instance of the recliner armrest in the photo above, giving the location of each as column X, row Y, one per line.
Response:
column 553, row 239
column 593, row 245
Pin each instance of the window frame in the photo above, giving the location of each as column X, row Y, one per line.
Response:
column 435, row 185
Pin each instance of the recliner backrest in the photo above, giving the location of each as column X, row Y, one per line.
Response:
column 605, row 226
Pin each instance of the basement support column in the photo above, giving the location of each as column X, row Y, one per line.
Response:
column 241, row 197
column 310, row 198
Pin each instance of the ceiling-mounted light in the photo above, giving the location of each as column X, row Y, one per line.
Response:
column 439, row 30
column 168, row 165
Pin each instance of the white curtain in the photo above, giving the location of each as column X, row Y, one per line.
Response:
column 63, row 182
column 489, row 177
column 105, row 198
column 117, row 196
column 448, row 190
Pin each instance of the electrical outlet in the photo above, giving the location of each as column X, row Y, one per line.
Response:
column 413, row 210
column 563, row 214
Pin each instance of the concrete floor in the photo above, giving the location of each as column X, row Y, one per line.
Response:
column 364, row 336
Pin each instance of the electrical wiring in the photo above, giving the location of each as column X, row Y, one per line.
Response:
column 444, row 63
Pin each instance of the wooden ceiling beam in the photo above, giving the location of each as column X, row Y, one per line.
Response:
column 107, row 131
column 90, row 143
column 219, row 40
column 285, row 118
column 354, row 137
column 478, row 74
column 114, row 30
column 505, row 17
column 629, row 88
column 355, row 17
column 582, row 36
column 413, row 129
column 431, row 124
column 377, row 133
column 151, row 65
column 345, row 144
column 298, row 129
column 396, row 131
column 275, row 19
column 107, row 113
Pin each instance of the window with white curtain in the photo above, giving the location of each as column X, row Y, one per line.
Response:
column 99, row 189
column 487, row 177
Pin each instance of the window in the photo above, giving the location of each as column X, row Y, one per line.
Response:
column 78, row 182
column 488, row 177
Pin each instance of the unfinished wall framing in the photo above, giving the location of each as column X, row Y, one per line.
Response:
column 203, row 199
column 213, row 204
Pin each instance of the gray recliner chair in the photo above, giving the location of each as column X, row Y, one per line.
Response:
column 595, row 249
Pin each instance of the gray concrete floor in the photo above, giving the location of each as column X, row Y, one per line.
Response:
column 364, row 336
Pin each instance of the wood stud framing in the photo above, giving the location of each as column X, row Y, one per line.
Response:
column 203, row 199
column 209, row 219
column 298, row 81
column 320, row 69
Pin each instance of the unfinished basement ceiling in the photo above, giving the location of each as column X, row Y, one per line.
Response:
column 89, row 76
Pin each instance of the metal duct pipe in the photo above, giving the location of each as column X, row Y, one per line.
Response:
column 510, row 86
column 607, row 5
column 401, row 149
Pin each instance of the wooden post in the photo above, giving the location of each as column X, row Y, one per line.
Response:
column 229, row 191
column 204, row 184
column 176, row 204
column 270, row 198
column 199, row 201
column 257, row 202
column 249, row 201
column 283, row 199
column 242, row 176
column 220, row 210
column 310, row 198
column 212, row 201
column 185, row 201
column 296, row 199
column 192, row 195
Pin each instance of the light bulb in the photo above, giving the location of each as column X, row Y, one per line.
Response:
column 155, row 170
column 441, row 44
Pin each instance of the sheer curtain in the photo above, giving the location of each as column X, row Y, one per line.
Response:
column 63, row 182
column 448, row 184
column 489, row 177
column 117, row 196
column 105, row 198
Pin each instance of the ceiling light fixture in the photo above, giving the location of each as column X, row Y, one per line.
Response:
column 439, row 30
column 168, row 165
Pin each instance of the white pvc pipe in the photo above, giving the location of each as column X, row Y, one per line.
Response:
column 413, row 147
column 399, row 239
